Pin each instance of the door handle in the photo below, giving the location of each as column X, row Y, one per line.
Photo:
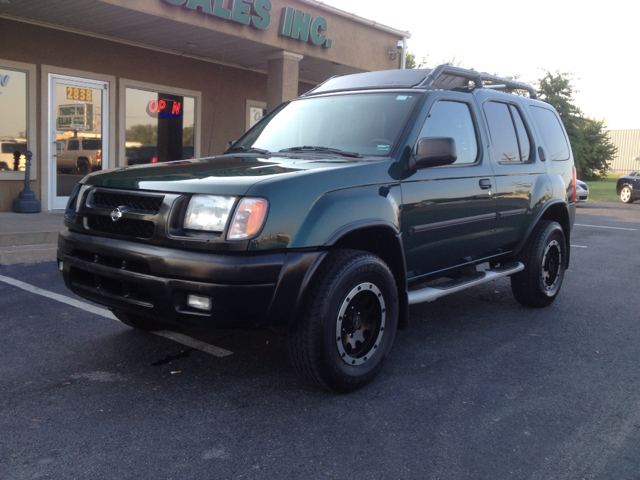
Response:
column 59, row 148
column 485, row 184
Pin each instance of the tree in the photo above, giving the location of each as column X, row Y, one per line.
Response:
column 411, row 61
column 145, row 134
column 592, row 149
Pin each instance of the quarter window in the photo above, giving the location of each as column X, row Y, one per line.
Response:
column 552, row 133
column 509, row 135
column 453, row 119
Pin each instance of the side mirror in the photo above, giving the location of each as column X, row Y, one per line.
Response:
column 433, row 152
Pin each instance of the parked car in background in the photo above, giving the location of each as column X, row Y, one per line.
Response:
column 83, row 155
column 582, row 191
column 628, row 187
column 149, row 154
column 7, row 147
column 141, row 154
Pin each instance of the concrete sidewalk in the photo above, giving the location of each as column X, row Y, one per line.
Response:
column 29, row 237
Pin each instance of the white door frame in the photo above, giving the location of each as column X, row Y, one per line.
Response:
column 55, row 201
column 46, row 133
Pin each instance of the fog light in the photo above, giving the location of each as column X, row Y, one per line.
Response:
column 60, row 266
column 199, row 302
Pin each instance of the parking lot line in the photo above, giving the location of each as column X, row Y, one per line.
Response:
column 176, row 337
column 600, row 226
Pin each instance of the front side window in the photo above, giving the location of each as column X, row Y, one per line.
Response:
column 13, row 121
column 509, row 135
column 366, row 124
column 159, row 126
column 453, row 119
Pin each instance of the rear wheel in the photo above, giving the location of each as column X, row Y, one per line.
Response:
column 626, row 195
column 139, row 322
column 544, row 258
column 83, row 166
column 344, row 336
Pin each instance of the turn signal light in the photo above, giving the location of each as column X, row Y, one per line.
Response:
column 249, row 218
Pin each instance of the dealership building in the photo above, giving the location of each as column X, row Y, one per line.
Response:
column 94, row 84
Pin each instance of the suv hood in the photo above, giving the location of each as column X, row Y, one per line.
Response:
column 223, row 175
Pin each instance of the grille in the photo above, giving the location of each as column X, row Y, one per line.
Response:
column 140, row 203
column 124, row 226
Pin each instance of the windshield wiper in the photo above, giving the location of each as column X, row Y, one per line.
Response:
column 311, row 148
column 249, row 150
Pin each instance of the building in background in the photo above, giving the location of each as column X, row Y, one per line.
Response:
column 95, row 84
column 627, row 157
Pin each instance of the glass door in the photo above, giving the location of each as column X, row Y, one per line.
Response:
column 78, row 133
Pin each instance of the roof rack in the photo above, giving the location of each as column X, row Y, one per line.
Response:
column 441, row 75
column 444, row 77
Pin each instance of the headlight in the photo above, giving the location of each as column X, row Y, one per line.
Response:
column 83, row 189
column 208, row 212
column 249, row 218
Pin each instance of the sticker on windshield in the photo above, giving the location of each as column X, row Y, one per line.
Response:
column 402, row 97
column 384, row 148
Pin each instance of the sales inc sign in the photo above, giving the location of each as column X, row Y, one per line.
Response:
column 294, row 24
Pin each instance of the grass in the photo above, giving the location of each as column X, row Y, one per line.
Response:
column 604, row 190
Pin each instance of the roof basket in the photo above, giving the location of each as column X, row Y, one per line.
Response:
column 443, row 75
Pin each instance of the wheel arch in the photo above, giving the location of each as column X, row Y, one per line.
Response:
column 556, row 211
column 382, row 239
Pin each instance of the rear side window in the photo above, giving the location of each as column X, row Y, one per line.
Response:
column 453, row 119
column 91, row 144
column 509, row 135
column 73, row 145
column 556, row 145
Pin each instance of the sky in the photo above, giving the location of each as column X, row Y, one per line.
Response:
column 597, row 43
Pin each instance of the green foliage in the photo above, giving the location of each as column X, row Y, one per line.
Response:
column 145, row 134
column 411, row 61
column 592, row 149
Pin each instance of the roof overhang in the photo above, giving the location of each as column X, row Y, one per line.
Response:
column 155, row 25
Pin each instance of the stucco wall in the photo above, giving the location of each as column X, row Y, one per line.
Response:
column 224, row 89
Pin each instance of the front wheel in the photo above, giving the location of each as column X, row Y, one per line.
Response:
column 544, row 258
column 345, row 334
column 626, row 194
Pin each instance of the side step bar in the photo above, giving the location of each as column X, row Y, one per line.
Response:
column 429, row 294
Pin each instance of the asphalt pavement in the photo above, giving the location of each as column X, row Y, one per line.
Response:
column 477, row 387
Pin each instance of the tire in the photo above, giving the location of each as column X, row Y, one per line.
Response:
column 344, row 336
column 626, row 194
column 83, row 166
column 138, row 322
column 545, row 258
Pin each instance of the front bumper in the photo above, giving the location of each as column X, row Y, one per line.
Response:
column 247, row 290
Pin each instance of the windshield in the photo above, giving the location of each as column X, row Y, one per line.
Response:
column 365, row 124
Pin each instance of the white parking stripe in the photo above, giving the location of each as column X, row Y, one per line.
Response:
column 578, row 246
column 600, row 226
column 176, row 337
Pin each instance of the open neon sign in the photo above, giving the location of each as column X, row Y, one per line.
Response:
column 166, row 108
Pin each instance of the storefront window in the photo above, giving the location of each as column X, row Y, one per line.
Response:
column 13, row 120
column 159, row 126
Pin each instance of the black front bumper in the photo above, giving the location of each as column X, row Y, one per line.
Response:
column 247, row 290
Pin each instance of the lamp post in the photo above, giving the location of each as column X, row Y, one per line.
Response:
column 26, row 201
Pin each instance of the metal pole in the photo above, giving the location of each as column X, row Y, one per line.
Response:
column 27, row 201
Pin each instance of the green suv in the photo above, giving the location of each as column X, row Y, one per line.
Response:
column 333, row 214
